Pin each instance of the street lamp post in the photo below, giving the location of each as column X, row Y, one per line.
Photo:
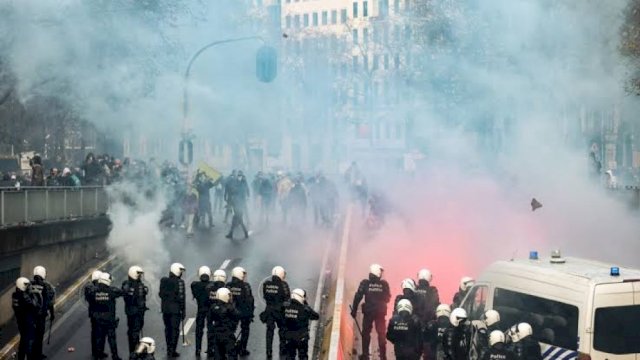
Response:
column 266, row 70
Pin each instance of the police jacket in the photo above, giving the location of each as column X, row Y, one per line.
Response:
column 225, row 318
column 275, row 292
column 48, row 294
column 26, row 305
column 480, row 339
column 498, row 352
column 296, row 318
column 104, row 302
column 457, row 298
column 430, row 300
column 135, row 297
column 376, row 294
column 211, row 289
column 456, row 342
column 527, row 349
column 89, row 289
column 172, row 294
column 200, row 293
column 404, row 332
column 242, row 297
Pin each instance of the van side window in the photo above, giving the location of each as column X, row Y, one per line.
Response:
column 476, row 301
column 553, row 322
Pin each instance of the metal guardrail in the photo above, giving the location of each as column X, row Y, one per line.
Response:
column 38, row 204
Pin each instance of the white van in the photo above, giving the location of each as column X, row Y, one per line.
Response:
column 579, row 309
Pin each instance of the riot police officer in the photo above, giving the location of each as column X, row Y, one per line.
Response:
column 172, row 295
column 135, row 304
column 26, row 306
column 219, row 281
column 376, row 294
column 480, row 331
column 200, row 294
column 104, row 314
column 404, row 332
column 428, row 294
column 523, row 345
column 435, row 330
column 296, row 315
column 41, row 286
column 275, row 292
column 145, row 349
column 497, row 349
column 457, row 338
column 224, row 317
column 409, row 293
column 89, row 289
column 244, row 302
column 465, row 284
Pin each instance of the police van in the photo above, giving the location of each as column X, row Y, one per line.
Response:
column 578, row 309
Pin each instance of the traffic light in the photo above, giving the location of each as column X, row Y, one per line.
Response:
column 266, row 64
column 186, row 145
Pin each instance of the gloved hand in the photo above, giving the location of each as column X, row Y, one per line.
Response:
column 354, row 312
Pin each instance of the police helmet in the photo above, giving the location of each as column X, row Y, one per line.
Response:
column 376, row 270
column 239, row 273
column 404, row 305
column 458, row 316
column 491, row 317
column 466, row 282
column 223, row 294
column 177, row 269
column 299, row 295
column 279, row 272
column 204, row 270
column 22, row 283
column 425, row 274
column 495, row 337
column 135, row 272
column 443, row 310
column 40, row 271
column 219, row 275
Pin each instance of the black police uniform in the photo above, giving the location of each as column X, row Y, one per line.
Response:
column 172, row 294
column 376, row 294
column 89, row 290
column 46, row 291
column 480, row 340
column 498, row 352
column 430, row 300
column 457, row 298
column 275, row 293
column 26, row 306
column 527, row 349
column 200, row 293
column 414, row 298
column 295, row 322
column 135, row 305
column 224, row 318
column 243, row 300
column 456, row 342
column 405, row 333
column 434, row 335
column 211, row 289
column 104, row 315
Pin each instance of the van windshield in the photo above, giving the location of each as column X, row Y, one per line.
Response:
column 617, row 330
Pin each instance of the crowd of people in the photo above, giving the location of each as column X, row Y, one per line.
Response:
column 222, row 306
column 422, row 327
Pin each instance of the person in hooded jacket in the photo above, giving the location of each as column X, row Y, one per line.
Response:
column 275, row 293
column 135, row 305
column 376, row 294
column 26, row 305
column 172, row 295
column 244, row 302
column 41, row 286
column 201, row 295
column 436, row 329
column 405, row 332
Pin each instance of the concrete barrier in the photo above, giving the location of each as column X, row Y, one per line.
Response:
column 341, row 340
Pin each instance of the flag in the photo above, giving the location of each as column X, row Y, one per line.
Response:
column 210, row 172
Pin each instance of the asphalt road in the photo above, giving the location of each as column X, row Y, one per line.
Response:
column 299, row 249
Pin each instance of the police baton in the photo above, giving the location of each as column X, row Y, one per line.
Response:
column 184, row 340
column 356, row 320
column 50, row 326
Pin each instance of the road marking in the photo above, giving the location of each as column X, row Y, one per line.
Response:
column 187, row 326
column 225, row 264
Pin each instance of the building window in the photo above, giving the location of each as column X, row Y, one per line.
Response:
column 315, row 19
column 365, row 62
column 396, row 33
column 355, row 63
column 375, row 35
column 365, row 36
column 386, row 61
column 305, row 20
column 385, row 36
column 383, row 8
column 396, row 6
column 325, row 18
column 376, row 61
column 355, row 10
column 334, row 17
column 365, row 8
column 343, row 16
column 396, row 61
column 407, row 32
column 354, row 36
column 288, row 21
